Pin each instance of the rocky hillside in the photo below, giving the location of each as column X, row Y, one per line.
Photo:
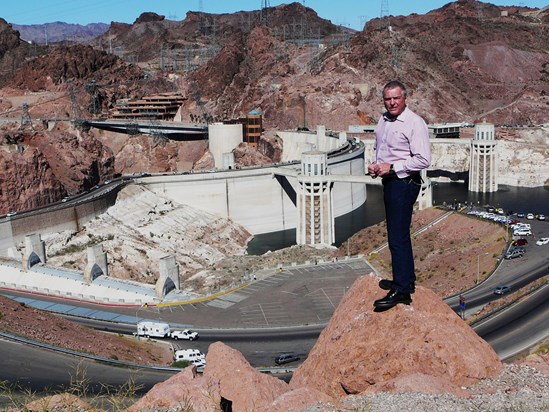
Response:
column 296, row 75
column 258, row 62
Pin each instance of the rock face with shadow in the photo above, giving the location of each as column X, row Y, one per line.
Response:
column 423, row 346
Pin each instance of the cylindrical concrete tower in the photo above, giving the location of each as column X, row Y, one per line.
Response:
column 223, row 139
column 314, row 202
column 483, row 167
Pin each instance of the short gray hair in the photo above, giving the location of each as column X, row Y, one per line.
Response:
column 394, row 84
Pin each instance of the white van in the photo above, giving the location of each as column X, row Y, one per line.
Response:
column 192, row 355
column 153, row 329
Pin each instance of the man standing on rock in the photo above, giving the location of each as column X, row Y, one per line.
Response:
column 402, row 150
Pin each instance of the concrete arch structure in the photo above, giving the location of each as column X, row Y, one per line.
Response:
column 97, row 263
column 35, row 251
column 169, row 277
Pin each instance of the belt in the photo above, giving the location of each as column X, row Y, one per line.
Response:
column 414, row 177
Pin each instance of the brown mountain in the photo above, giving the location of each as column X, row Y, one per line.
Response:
column 464, row 62
column 60, row 32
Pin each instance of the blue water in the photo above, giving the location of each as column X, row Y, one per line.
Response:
column 510, row 198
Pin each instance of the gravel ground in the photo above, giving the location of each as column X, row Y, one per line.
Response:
column 517, row 389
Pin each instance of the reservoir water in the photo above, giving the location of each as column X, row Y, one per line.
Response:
column 510, row 198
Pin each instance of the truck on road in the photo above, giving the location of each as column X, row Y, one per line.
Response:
column 183, row 334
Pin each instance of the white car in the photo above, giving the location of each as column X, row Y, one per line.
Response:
column 522, row 232
column 183, row 334
column 530, row 216
column 542, row 241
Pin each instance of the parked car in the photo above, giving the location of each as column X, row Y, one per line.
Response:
column 520, row 242
column 514, row 253
column 522, row 232
column 520, row 214
column 530, row 216
column 11, row 214
column 286, row 358
column 541, row 217
column 542, row 241
column 183, row 334
column 502, row 290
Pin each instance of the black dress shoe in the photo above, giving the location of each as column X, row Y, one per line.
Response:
column 393, row 298
column 387, row 284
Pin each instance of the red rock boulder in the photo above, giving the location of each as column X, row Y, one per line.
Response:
column 365, row 351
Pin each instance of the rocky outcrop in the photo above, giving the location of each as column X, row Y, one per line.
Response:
column 37, row 172
column 27, row 181
column 187, row 390
column 71, row 63
column 270, row 146
column 242, row 385
column 245, row 155
column 12, row 51
column 228, row 383
column 425, row 343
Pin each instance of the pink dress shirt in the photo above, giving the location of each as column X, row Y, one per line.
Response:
column 403, row 142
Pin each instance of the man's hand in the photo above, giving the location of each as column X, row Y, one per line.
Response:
column 373, row 170
column 379, row 169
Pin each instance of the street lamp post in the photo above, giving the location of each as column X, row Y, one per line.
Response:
column 478, row 266
column 143, row 306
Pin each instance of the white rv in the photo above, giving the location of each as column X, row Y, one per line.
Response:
column 153, row 329
column 192, row 355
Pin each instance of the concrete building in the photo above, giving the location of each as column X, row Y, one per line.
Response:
column 252, row 127
column 444, row 130
column 483, row 167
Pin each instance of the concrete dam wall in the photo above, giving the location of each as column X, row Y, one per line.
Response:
column 252, row 197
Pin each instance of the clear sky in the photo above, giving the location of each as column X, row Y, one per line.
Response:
column 349, row 13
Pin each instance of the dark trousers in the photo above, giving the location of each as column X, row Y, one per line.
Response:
column 399, row 196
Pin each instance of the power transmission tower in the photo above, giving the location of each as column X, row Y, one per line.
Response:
column 384, row 8
column 95, row 104
column 25, row 117
column 198, row 99
column 265, row 4
column 76, row 113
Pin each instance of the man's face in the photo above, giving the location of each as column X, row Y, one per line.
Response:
column 394, row 100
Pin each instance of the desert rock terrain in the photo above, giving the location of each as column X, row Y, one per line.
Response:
column 446, row 57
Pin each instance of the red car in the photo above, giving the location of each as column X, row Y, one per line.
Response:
column 520, row 242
